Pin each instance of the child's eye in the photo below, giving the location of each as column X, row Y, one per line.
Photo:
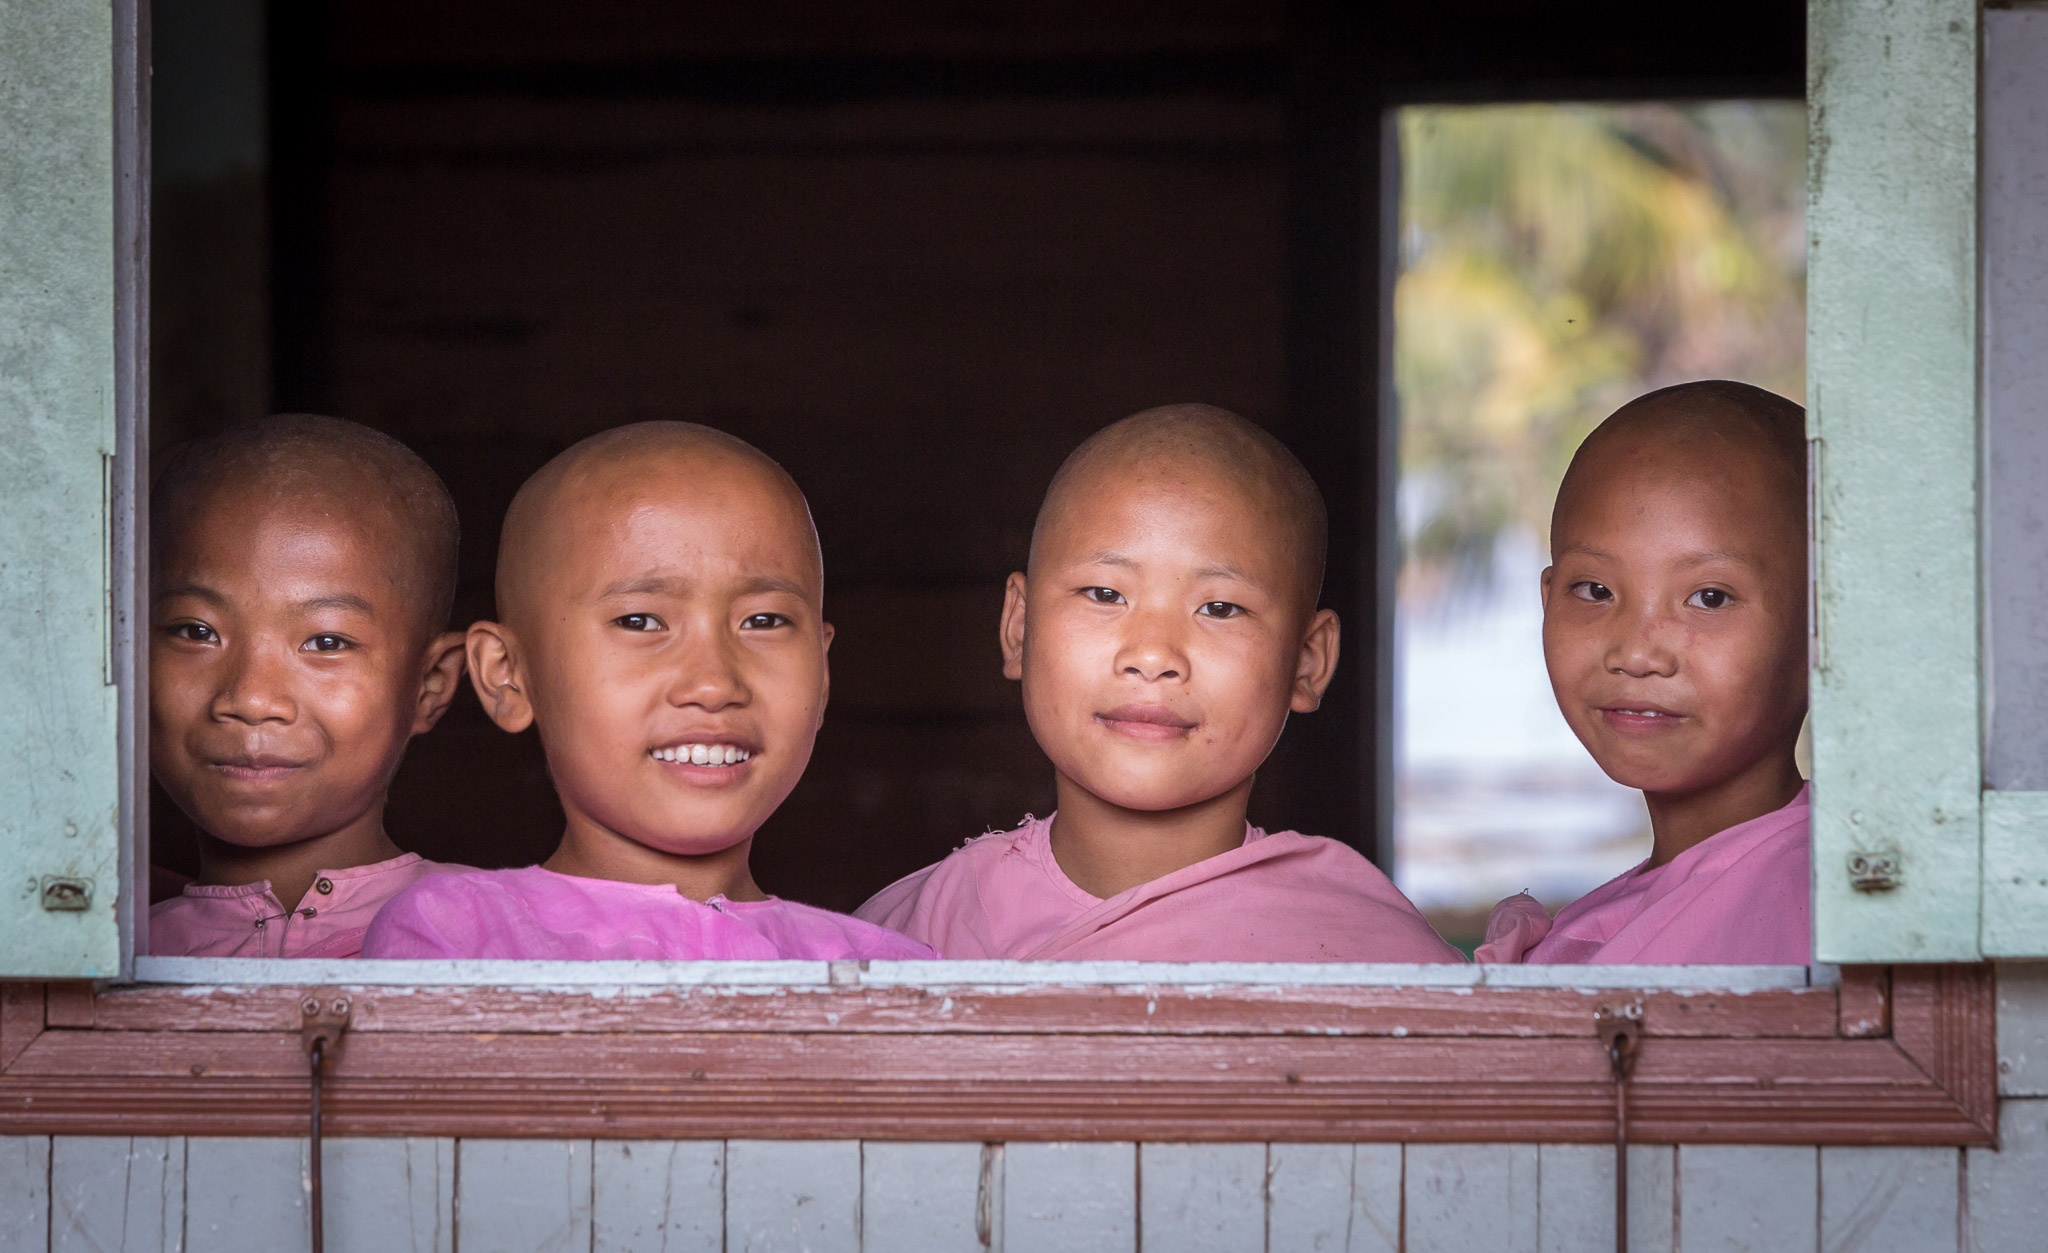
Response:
column 1708, row 598
column 325, row 642
column 1589, row 590
column 1220, row 609
column 640, row 622
column 763, row 621
column 197, row 632
column 1103, row 595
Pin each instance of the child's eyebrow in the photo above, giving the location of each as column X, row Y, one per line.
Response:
column 1224, row 572
column 669, row 585
column 338, row 600
column 196, row 590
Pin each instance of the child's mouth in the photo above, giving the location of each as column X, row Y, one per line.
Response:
column 1645, row 718
column 701, row 754
column 1145, row 722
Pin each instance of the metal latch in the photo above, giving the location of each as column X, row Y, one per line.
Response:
column 323, row 1017
column 1878, row 870
column 1620, row 1028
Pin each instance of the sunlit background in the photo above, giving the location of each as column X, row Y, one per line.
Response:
column 1555, row 260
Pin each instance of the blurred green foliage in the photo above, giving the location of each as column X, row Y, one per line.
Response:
column 1559, row 259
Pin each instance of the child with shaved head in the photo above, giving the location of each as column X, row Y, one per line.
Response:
column 1164, row 629
column 301, row 572
column 660, row 620
column 1674, row 629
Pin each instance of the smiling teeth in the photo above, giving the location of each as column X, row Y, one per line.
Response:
column 701, row 754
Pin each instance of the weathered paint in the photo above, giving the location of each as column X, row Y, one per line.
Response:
column 59, row 754
column 623, row 977
column 1892, row 407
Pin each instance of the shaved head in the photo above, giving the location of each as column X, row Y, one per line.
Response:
column 614, row 466
column 1217, row 446
column 364, row 474
column 1714, row 424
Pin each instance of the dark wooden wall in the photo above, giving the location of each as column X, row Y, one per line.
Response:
column 915, row 251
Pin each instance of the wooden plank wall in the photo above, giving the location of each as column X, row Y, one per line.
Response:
column 442, row 1196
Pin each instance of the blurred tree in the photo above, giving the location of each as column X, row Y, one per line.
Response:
column 1557, row 260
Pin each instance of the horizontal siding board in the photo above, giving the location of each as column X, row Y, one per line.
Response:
column 1575, row 1195
column 658, row 1196
column 24, row 1194
column 1070, row 1198
column 2007, row 1196
column 1748, row 1198
column 1202, row 1198
column 117, row 1193
column 523, row 1196
column 792, row 1196
column 1471, row 1196
column 2023, row 1028
column 389, row 1195
column 923, row 1196
column 245, row 1195
column 1888, row 1200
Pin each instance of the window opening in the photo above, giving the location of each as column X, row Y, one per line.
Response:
column 1554, row 260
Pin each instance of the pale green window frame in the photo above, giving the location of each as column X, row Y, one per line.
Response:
column 1954, row 872
column 1915, row 858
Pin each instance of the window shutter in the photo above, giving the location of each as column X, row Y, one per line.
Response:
column 60, row 708
column 1892, row 403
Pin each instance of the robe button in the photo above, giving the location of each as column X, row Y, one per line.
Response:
column 324, row 887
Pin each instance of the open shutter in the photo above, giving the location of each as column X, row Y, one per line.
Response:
column 1892, row 402
column 63, row 491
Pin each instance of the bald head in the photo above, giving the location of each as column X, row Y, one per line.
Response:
column 1216, row 446
column 1715, row 425
column 366, row 475
column 613, row 469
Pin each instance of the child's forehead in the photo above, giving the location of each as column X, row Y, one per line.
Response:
column 650, row 523
column 1199, row 511
column 1714, row 496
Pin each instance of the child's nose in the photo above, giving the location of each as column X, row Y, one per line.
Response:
column 256, row 689
column 1642, row 647
column 1152, row 650
column 708, row 679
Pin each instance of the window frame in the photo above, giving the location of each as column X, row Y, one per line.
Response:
column 965, row 1050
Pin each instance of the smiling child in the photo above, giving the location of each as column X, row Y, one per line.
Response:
column 1165, row 629
column 1674, row 629
column 660, row 600
column 302, row 569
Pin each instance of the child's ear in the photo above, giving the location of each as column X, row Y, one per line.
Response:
column 1547, row 572
column 1316, row 662
column 1010, row 634
column 437, row 686
column 825, row 696
column 495, row 673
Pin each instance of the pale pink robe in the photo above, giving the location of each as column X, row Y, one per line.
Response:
column 248, row 920
column 1739, row 897
column 540, row 915
column 1280, row 897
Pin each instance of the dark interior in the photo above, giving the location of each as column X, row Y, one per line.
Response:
column 913, row 250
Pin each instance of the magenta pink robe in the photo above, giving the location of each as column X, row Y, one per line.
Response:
column 537, row 914
column 1739, row 897
column 208, row 920
column 1275, row 898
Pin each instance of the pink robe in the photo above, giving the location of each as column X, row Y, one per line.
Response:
column 206, row 920
column 1739, row 897
column 1281, row 897
column 537, row 914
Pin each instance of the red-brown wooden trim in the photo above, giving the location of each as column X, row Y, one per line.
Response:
column 1866, row 1000
column 21, row 1019
column 1499, row 1064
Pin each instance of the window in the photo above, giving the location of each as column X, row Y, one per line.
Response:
column 1897, row 750
column 1555, row 261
